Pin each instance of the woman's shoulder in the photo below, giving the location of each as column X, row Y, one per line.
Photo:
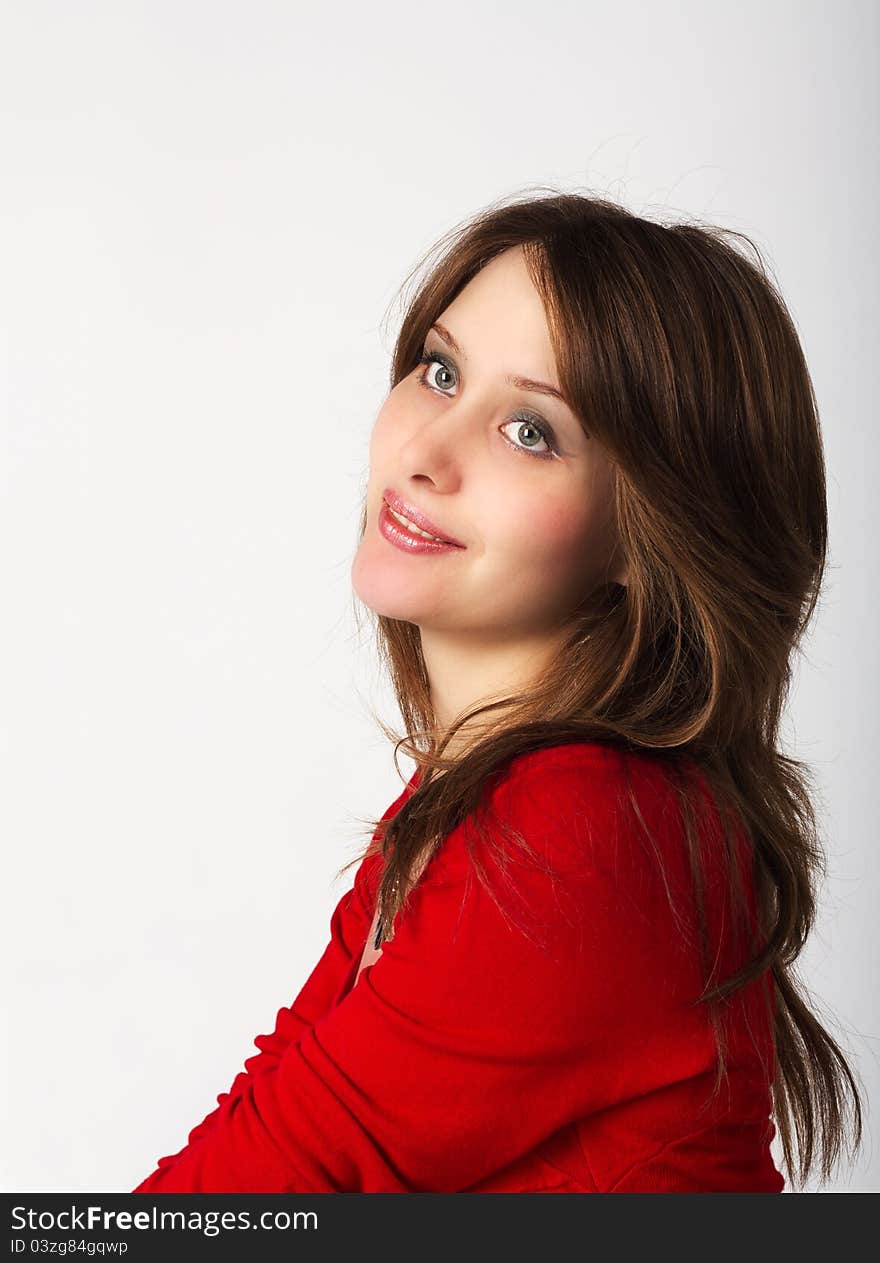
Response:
column 572, row 801
column 613, row 809
column 591, row 771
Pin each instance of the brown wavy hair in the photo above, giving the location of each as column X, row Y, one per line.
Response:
column 679, row 356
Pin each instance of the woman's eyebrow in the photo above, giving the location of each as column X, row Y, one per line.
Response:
column 522, row 383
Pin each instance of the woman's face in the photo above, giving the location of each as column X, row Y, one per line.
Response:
column 504, row 469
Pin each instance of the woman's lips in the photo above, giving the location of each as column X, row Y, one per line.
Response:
column 417, row 517
column 396, row 533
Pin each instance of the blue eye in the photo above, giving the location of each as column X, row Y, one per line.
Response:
column 523, row 419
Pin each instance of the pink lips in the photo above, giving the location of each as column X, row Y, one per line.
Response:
column 418, row 517
column 408, row 541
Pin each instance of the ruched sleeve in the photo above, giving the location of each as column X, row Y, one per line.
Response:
column 349, row 925
column 491, row 1019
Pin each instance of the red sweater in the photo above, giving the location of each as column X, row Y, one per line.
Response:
column 469, row 1059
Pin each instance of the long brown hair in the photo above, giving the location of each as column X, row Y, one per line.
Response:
column 678, row 354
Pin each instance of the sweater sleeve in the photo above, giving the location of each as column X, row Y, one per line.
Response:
column 349, row 926
column 468, row 1042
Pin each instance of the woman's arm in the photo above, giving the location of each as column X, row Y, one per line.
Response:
column 466, row 1044
column 349, row 925
column 349, row 928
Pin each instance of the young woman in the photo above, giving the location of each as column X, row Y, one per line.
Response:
column 593, row 536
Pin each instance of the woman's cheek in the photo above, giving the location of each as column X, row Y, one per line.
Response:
column 558, row 533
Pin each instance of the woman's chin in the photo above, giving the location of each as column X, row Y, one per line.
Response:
column 380, row 595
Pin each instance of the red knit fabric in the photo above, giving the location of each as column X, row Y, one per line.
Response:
column 472, row 1058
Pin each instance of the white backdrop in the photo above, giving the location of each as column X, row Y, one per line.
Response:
column 206, row 211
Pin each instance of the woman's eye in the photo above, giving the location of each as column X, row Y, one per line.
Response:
column 529, row 439
column 430, row 360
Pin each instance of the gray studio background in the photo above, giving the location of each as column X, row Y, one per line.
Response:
column 206, row 212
